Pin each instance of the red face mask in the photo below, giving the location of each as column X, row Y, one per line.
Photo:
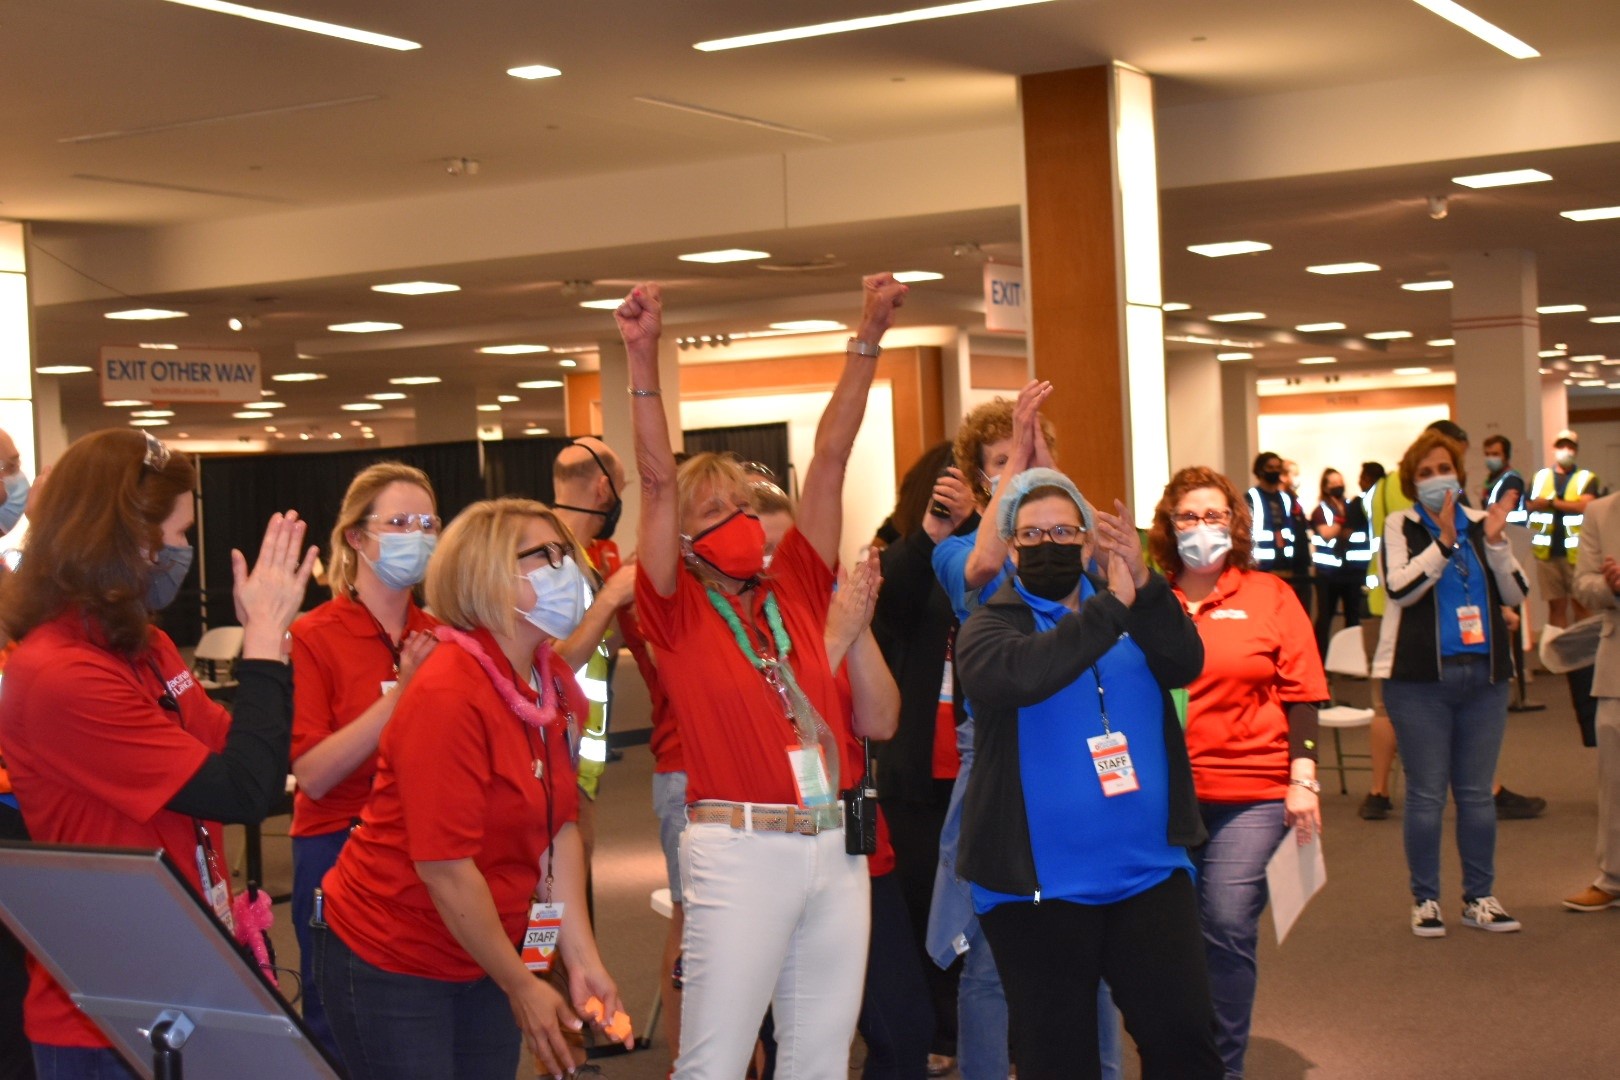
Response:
column 734, row 546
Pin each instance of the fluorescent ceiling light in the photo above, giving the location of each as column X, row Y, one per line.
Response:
column 154, row 422
column 808, row 326
column 152, row 412
column 724, row 255
column 601, row 305
column 1230, row 247
column 1412, row 370
column 124, row 404
column 1318, row 327
column 1560, row 309
column 540, row 384
column 1238, row 316
column 1344, row 268
column 1319, row 360
column 1604, row 319
column 1597, row 213
column 1437, row 285
column 297, row 376
column 145, row 314
column 1175, row 306
column 533, row 71
column 416, row 288
column 1441, row 342
column 907, row 277
column 155, row 345
column 415, row 380
column 63, row 369
column 537, row 431
column 567, row 363
column 1502, row 179
column 507, row 399
column 1271, row 382
column 358, row 406
column 1488, row 32
column 1389, row 335
column 296, row 22
column 270, row 405
column 1591, row 382
column 519, row 350
column 868, row 22
column 489, row 408
column 1588, row 358
column 392, row 395
column 364, row 327
column 1234, row 356
column 1551, row 352
column 252, row 414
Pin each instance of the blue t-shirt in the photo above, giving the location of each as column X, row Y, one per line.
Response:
column 1091, row 848
column 1461, row 585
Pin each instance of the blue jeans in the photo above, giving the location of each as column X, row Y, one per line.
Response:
column 313, row 856
column 1231, row 894
column 403, row 1027
column 1450, row 733
column 669, row 803
column 79, row 1063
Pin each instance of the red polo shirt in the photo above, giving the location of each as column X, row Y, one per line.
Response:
column 94, row 758
column 1259, row 657
column 665, row 741
column 455, row 780
column 342, row 659
column 734, row 735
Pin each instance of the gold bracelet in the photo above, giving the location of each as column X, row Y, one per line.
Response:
column 637, row 392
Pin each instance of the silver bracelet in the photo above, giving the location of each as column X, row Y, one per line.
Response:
column 1313, row 786
column 635, row 392
column 863, row 348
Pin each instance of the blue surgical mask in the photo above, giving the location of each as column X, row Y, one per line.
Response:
column 560, row 599
column 1493, row 463
column 16, row 501
column 402, row 558
column 173, row 563
column 1433, row 491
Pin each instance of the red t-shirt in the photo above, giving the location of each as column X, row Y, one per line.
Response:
column 455, row 780
column 733, row 732
column 665, row 741
column 94, row 758
column 1259, row 656
column 341, row 662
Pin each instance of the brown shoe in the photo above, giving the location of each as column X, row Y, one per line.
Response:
column 1592, row 898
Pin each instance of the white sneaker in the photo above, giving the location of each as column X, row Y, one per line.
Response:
column 1426, row 921
column 1487, row 913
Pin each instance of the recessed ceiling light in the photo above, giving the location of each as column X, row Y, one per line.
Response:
column 152, row 412
column 1230, row 247
column 1319, row 360
column 364, row 327
column 298, row 376
column 600, row 305
column 360, row 406
column 1551, row 352
column 809, row 326
column 1175, row 307
column 908, row 277
column 844, row 26
column 149, row 423
column 519, row 350
column 540, row 384
column 391, row 395
column 1271, row 382
column 252, row 414
column 124, row 404
column 416, row 288
column 145, row 314
column 1412, row 370
column 567, row 363
column 1318, row 327
column 1591, row 382
column 1560, row 309
column 1441, row 342
column 269, row 405
column 415, row 380
column 489, row 408
column 297, row 22
column 537, row 431
column 1586, row 359
column 1502, row 179
column 724, row 255
column 1234, row 356
column 533, row 71
column 64, row 369
column 1344, row 268
column 1238, row 316
column 507, row 399
column 1389, row 335
column 156, row 345
column 1605, row 319
column 1488, row 32
column 1597, row 213
column 1437, row 285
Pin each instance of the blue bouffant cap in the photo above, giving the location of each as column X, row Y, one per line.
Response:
column 1026, row 482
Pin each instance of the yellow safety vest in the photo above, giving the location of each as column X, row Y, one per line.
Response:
column 1386, row 498
column 1542, row 521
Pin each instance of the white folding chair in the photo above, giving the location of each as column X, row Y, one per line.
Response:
column 213, row 664
column 1347, row 656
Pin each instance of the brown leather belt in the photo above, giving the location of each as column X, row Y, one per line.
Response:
column 757, row 817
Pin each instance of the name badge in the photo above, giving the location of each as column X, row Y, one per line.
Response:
column 1112, row 758
column 1471, row 625
column 946, row 683
column 810, row 775
column 219, row 895
column 540, row 939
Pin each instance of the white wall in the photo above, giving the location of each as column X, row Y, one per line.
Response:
column 1343, row 440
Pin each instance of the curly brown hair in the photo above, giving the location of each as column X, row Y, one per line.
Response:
column 984, row 425
column 92, row 536
column 1162, row 534
column 1420, row 449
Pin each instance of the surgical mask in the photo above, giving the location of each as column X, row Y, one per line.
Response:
column 559, row 598
column 1494, row 464
column 1050, row 570
column 734, row 546
column 1433, row 491
column 16, row 501
column 1566, row 458
column 173, row 563
column 402, row 558
column 1204, row 547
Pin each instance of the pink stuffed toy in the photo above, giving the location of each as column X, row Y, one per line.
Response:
column 253, row 917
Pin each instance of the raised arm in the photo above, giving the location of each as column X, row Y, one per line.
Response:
column 821, row 504
column 658, row 536
column 1028, row 450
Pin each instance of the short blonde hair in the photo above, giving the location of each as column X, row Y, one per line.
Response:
column 358, row 504
column 472, row 577
column 707, row 472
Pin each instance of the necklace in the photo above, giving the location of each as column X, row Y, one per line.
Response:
column 773, row 618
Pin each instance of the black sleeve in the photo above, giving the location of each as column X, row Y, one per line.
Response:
column 1166, row 635
column 997, row 661
column 908, row 578
column 1302, row 730
column 242, row 784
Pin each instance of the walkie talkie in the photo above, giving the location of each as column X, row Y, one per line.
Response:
column 860, row 811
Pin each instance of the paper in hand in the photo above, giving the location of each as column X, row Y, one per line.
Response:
column 1295, row 874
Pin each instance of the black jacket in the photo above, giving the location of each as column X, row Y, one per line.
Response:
column 1004, row 665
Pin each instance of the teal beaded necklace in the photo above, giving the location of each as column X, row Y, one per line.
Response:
column 773, row 617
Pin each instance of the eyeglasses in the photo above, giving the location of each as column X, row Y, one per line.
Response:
column 157, row 455
column 1188, row 520
column 1030, row 535
column 427, row 523
column 554, row 552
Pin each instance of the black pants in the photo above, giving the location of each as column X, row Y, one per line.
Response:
column 896, row 1020
column 16, row 1055
column 1332, row 593
column 914, row 830
column 1150, row 950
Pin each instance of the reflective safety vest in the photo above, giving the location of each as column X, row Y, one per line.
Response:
column 1545, row 486
column 1363, row 544
column 1273, row 549
column 1518, row 515
column 596, row 680
column 1324, row 552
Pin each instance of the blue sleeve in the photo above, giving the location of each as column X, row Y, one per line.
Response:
column 950, row 567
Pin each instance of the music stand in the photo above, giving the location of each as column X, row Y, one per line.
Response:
column 146, row 959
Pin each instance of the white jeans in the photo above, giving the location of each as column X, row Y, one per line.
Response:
column 772, row 919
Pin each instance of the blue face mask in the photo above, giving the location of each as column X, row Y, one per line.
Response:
column 402, row 558
column 559, row 598
column 16, row 501
column 1494, row 464
column 1433, row 491
column 173, row 563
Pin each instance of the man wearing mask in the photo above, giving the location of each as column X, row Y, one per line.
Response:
column 1504, row 478
column 1558, row 498
column 1280, row 542
column 16, row 482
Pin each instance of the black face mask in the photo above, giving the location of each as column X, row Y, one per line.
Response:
column 610, row 516
column 1336, row 492
column 1272, row 476
column 1050, row 570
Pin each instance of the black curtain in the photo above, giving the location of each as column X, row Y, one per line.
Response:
column 521, row 467
column 764, row 443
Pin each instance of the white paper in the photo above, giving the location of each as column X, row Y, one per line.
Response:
column 1295, row 874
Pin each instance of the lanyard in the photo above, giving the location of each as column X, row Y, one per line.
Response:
column 768, row 666
column 382, row 632
column 208, row 871
column 1102, row 700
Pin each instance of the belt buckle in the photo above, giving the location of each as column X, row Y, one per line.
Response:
column 805, row 823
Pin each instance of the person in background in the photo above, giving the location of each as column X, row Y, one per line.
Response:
column 15, row 502
column 1597, row 587
column 1503, row 478
column 1280, row 545
column 352, row 659
column 1557, row 503
column 1339, row 579
column 1251, row 727
column 1443, row 652
column 109, row 741
column 16, row 1053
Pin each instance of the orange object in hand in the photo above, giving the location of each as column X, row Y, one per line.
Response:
column 618, row 1030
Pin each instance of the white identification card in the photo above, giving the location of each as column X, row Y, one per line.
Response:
column 219, row 896
column 540, row 939
column 1112, row 757
column 946, row 684
column 810, row 774
column 1471, row 625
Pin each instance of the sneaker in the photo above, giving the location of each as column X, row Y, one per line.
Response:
column 1592, row 898
column 1375, row 807
column 1487, row 913
column 1511, row 806
column 1426, row 921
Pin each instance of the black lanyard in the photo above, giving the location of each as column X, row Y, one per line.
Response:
column 382, row 632
column 207, row 864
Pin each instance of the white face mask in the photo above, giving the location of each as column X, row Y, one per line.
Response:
column 1204, row 547
column 1564, row 457
column 559, row 598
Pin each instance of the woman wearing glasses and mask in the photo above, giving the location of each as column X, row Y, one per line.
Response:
column 468, row 839
column 1251, row 726
column 352, row 657
column 1080, row 809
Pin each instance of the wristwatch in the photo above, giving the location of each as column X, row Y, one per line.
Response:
column 1309, row 785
